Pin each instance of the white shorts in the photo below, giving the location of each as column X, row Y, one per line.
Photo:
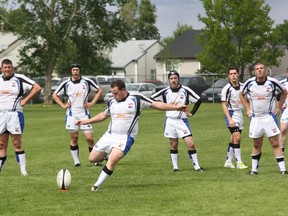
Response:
column 284, row 116
column 176, row 128
column 13, row 122
column 267, row 125
column 71, row 124
column 237, row 117
column 109, row 141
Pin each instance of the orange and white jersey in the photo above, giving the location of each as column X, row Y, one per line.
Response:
column 77, row 92
column 125, row 114
column 230, row 94
column 262, row 95
column 11, row 91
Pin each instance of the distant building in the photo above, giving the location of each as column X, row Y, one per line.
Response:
column 135, row 59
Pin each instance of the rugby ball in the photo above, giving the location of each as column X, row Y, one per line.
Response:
column 64, row 179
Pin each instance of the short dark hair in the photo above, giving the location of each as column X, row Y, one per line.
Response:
column 232, row 68
column 119, row 83
column 6, row 61
column 173, row 72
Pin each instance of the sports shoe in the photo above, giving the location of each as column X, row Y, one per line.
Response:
column 24, row 173
column 94, row 188
column 241, row 166
column 200, row 170
column 284, row 172
column 98, row 164
column 229, row 165
column 252, row 173
column 175, row 170
column 77, row 165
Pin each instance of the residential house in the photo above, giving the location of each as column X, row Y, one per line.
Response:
column 10, row 44
column 135, row 59
column 179, row 55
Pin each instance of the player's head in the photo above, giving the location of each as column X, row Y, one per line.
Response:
column 173, row 78
column 233, row 74
column 75, row 65
column 173, row 72
column 6, row 62
column 75, row 71
column 118, row 90
column 232, row 69
column 7, row 68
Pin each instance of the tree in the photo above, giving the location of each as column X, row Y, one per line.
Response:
column 145, row 22
column 129, row 13
column 181, row 28
column 236, row 33
column 281, row 33
column 61, row 32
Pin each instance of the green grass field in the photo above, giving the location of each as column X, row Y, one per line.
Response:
column 143, row 183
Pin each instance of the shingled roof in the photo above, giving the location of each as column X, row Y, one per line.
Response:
column 183, row 47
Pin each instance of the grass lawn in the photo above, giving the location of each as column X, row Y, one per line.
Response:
column 143, row 182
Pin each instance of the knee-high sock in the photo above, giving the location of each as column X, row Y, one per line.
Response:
column 237, row 152
column 255, row 162
column 174, row 158
column 75, row 153
column 104, row 175
column 230, row 153
column 281, row 163
column 21, row 159
column 193, row 156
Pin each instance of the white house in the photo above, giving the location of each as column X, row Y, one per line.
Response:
column 135, row 59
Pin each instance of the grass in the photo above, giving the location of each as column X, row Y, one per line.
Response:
column 143, row 183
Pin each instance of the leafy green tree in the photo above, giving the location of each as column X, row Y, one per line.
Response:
column 181, row 28
column 129, row 12
column 145, row 22
column 61, row 32
column 236, row 33
column 281, row 33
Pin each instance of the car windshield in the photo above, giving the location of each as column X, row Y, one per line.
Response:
column 220, row 83
column 133, row 87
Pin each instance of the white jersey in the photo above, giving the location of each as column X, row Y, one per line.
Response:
column 77, row 92
column 284, row 82
column 125, row 114
column 231, row 94
column 12, row 90
column 262, row 95
column 182, row 95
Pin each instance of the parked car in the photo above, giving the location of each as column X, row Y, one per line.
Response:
column 280, row 77
column 105, row 81
column 39, row 98
column 155, row 82
column 144, row 88
column 197, row 83
column 213, row 94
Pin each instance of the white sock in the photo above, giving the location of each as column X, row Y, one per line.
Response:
column 174, row 158
column 21, row 159
column 75, row 154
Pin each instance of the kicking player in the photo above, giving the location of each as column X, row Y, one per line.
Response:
column 77, row 89
column 176, row 122
column 261, row 91
column 233, row 110
column 124, row 110
column 12, row 88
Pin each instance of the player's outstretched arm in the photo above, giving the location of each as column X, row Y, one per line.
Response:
column 163, row 106
column 98, row 118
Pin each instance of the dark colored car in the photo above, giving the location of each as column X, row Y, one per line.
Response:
column 197, row 83
column 213, row 94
